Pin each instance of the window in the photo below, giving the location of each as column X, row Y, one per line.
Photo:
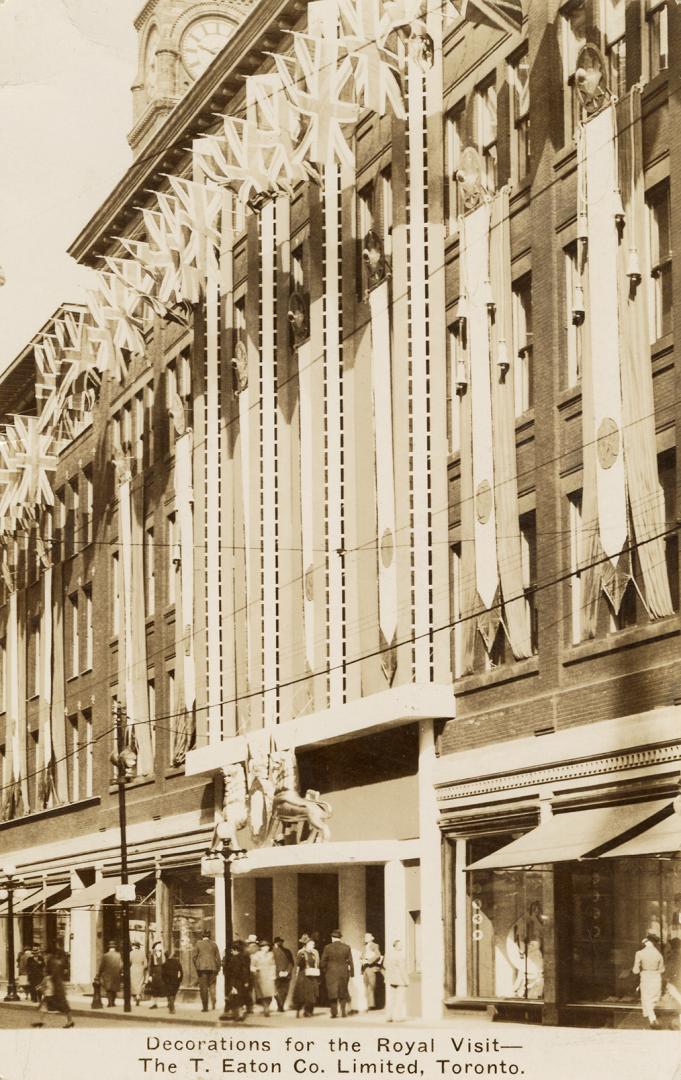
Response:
column 575, row 531
column 115, row 593
column 528, row 560
column 365, row 210
column 171, row 707
column 240, row 319
column 519, row 80
column 87, row 519
column 184, row 383
column 74, row 760
column 659, row 228
column 171, row 395
column 298, row 269
column 486, row 132
column 126, row 429
column 139, row 429
column 149, row 583
column 59, row 523
column 173, row 558
column 72, row 535
column 454, row 376
column 455, row 140
column 385, row 182
column 573, row 27
column 74, row 643
column 522, row 344
column 457, row 610
column 573, row 316
column 151, row 697
column 34, row 658
column 615, row 45
column 658, row 38
column 149, row 423
column 89, row 629
column 89, row 754
column 116, row 437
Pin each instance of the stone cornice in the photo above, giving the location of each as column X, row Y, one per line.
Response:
column 268, row 20
column 144, row 14
column 573, row 770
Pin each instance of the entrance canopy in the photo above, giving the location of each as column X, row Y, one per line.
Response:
column 94, row 894
column 21, row 896
column 573, row 835
column 663, row 838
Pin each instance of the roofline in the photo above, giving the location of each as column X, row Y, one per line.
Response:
column 262, row 30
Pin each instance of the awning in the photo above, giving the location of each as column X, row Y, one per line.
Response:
column 572, row 835
column 662, row 838
column 40, row 897
column 94, row 894
column 20, row 897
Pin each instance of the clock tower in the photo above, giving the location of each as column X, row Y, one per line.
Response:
column 178, row 39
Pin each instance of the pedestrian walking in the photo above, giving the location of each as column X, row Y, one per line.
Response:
column 649, row 965
column 370, row 960
column 23, row 984
column 337, row 967
column 138, row 971
column 206, row 958
column 35, row 969
column 110, row 973
column 237, row 969
column 396, row 982
column 53, row 988
column 264, row 970
column 306, row 989
column 155, row 986
column 171, row 972
column 283, row 960
column 251, row 947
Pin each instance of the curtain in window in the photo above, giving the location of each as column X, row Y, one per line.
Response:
column 645, row 491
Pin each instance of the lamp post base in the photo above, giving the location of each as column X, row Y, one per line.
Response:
column 11, row 994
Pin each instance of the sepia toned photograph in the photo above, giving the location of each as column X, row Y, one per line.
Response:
column 340, row 635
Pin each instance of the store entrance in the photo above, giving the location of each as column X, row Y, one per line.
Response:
column 318, row 910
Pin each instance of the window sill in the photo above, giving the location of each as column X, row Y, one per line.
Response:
column 621, row 639
column 132, row 785
column 53, row 811
column 174, row 770
column 87, row 670
column 520, row 669
column 72, row 678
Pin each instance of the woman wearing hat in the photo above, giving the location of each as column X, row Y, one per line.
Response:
column 264, row 969
column 306, row 990
column 649, row 965
column 156, row 987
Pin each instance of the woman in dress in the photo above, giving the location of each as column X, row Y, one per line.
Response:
column 264, row 970
column 306, row 990
column 138, row 970
column 649, row 965
column 156, row 987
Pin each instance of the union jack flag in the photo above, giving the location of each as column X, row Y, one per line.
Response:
column 202, row 206
column 504, row 15
column 33, row 462
column 327, row 82
column 363, row 30
column 238, row 158
column 269, row 108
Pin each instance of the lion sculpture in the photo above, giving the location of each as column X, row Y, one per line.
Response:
column 303, row 815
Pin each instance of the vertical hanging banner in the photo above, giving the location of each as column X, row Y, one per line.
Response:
column 16, row 801
column 603, row 370
column 268, row 463
column 381, row 372
column 240, row 363
column 131, row 539
column 46, row 787
column 183, row 724
column 475, row 240
column 305, row 398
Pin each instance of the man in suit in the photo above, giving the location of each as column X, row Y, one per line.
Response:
column 337, row 969
column 207, row 963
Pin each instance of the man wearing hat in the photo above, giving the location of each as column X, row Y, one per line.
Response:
column 110, row 971
column 337, row 969
column 207, row 963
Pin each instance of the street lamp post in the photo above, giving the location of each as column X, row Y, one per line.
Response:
column 210, row 867
column 125, row 761
column 11, row 883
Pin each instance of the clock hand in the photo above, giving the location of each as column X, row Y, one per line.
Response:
column 205, row 48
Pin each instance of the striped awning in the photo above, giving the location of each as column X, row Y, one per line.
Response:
column 95, row 894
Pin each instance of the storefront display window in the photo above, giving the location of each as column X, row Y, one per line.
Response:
column 506, row 925
column 193, row 911
column 610, row 904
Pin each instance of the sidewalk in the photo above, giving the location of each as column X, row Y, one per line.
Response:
column 189, row 1015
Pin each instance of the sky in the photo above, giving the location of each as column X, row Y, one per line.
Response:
column 66, row 67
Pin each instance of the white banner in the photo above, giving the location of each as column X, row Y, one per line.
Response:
column 184, row 499
column 306, row 496
column 381, row 372
column 475, row 239
column 268, row 464
column 601, row 185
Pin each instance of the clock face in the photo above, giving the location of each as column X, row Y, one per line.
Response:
column 150, row 68
column 202, row 41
